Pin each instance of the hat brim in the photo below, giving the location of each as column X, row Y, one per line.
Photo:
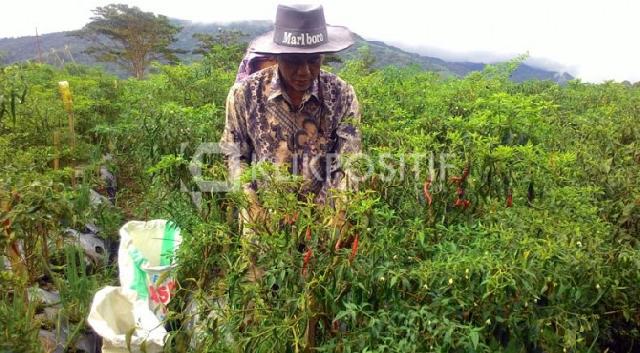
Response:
column 340, row 38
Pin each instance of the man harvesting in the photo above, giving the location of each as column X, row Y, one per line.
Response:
column 294, row 113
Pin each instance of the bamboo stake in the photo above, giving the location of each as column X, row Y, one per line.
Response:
column 56, row 145
column 67, row 100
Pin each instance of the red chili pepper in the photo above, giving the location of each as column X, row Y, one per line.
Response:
column 425, row 190
column 335, row 325
column 305, row 261
column 354, row 248
column 465, row 172
column 462, row 203
column 290, row 219
column 308, row 234
column 509, row 200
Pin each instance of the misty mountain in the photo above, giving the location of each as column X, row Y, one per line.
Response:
column 60, row 47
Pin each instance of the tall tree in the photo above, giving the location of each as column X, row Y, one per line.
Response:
column 130, row 37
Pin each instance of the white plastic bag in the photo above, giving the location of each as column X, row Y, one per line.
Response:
column 123, row 325
column 129, row 318
column 146, row 260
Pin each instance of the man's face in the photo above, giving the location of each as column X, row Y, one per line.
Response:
column 299, row 70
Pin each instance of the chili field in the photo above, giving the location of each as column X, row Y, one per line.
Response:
column 490, row 216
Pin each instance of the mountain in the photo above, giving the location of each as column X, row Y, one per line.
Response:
column 58, row 48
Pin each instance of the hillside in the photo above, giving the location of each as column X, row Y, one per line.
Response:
column 58, row 48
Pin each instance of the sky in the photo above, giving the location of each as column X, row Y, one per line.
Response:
column 593, row 40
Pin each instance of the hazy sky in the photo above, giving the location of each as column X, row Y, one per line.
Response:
column 593, row 40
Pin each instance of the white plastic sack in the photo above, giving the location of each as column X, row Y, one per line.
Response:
column 125, row 324
column 146, row 260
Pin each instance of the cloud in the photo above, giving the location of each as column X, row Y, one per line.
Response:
column 486, row 57
column 592, row 40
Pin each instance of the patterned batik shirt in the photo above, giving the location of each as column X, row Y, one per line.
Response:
column 263, row 125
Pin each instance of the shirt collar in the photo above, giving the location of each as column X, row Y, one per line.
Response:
column 277, row 88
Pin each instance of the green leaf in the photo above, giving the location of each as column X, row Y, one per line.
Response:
column 128, row 336
column 475, row 338
column 420, row 237
column 24, row 95
column 447, row 336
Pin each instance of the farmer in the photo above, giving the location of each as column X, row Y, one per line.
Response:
column 293, row 113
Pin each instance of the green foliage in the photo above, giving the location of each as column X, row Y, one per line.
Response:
column 13, row 92
column 77, row 285
column 17, row 331
column 543, row 256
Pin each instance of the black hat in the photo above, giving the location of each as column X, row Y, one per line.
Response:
column 302, row 29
